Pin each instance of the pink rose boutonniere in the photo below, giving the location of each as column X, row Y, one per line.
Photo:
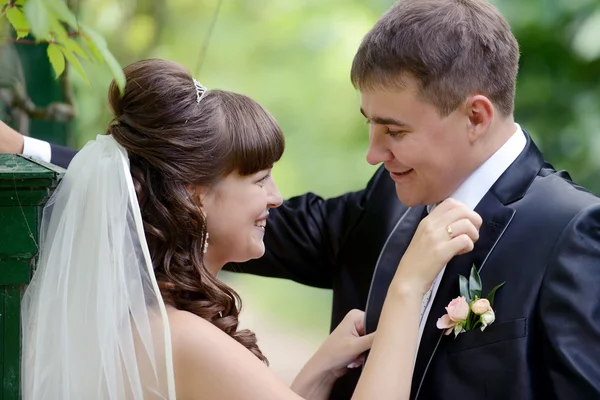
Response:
column 469, row 310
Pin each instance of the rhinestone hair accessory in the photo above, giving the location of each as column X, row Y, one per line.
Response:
column 200, row 91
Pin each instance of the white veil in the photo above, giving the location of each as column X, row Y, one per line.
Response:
column 94, row 323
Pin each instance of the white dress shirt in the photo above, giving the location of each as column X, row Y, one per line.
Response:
column 37, row 149
column 474, row 189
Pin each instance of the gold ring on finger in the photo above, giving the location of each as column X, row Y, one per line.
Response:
column 449, row 230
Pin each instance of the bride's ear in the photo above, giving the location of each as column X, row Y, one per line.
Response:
column 197, row 193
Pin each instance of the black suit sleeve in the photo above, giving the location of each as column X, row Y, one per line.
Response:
column 61, row 156
column 303, row 237
column 570, row 310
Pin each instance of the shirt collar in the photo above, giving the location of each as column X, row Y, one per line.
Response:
column 472, row 190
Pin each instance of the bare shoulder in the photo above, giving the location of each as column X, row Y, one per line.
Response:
column 206, row 360
column 186, row 328
column 195, row 340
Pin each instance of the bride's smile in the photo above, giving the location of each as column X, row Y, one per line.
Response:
column 236, row 210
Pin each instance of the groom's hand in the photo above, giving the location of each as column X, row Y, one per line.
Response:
column 11, row 141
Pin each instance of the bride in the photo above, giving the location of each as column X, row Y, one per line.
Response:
column 125, row 302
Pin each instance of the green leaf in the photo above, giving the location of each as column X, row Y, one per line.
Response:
column 116, row 70
column 57, row 59
column 463, row 284
column 111, row 61
column 94, row 37
column 72, row 45
column 38, row 18
column 492, row 293
column 57, row 29
column 18, row 21
column 457, row 330
column 74, row 62
column 62, row 11
column 93, row 49
column 474, row 283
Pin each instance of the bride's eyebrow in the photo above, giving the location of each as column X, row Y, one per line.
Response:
column 385, row 120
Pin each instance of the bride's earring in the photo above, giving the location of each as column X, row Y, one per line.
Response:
column 205, row 249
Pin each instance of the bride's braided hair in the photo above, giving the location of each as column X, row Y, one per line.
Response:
column 174, row 141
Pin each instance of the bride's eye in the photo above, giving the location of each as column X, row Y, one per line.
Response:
column 262, row 180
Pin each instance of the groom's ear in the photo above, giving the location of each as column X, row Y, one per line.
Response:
column 480, row 112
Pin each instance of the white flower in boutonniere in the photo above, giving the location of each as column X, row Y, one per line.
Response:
column 481, row 306
column 487, row 319
column 469, row 310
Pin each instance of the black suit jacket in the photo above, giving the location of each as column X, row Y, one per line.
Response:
column 541, row 235
column 61, row 156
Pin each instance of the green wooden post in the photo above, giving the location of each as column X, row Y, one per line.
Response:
column 25, row 186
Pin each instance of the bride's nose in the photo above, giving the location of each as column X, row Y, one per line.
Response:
column 274, row 198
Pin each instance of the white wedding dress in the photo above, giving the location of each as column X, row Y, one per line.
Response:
column 94, row 323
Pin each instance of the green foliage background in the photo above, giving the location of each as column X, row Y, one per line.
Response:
column 294, row 57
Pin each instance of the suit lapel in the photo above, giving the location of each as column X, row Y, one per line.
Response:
column 496, row 218
column 386, row 266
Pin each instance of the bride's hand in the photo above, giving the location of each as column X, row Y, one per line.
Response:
column 449, row 230
column 344, row 348
column 345, row 345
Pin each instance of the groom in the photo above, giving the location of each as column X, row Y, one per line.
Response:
column 437, row 81
column 437, row 84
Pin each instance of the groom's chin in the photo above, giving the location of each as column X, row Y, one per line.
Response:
column 406, row 197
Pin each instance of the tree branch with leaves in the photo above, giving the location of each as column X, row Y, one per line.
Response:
column 69, row 43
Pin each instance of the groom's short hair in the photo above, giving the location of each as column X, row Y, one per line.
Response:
column 452, row 47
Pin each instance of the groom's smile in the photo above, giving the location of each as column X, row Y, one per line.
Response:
column 427, row 153
column 400, row 177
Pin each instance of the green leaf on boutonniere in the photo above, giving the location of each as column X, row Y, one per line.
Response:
column 457, row 330
column 464, row 288
column 474, row 283
column 492, row 293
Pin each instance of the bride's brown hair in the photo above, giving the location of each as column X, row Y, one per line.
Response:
column 173, row 142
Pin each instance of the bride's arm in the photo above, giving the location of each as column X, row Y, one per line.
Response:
column 209, row 364
column 393, row 349
column 395, row 345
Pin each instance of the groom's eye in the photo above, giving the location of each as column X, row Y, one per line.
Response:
column 395, row 133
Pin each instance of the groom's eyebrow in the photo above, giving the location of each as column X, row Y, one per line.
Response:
column 384, row 121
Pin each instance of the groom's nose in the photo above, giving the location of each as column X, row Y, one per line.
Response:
column 378, row 151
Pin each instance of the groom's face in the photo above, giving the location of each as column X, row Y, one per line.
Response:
column 428, row 156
